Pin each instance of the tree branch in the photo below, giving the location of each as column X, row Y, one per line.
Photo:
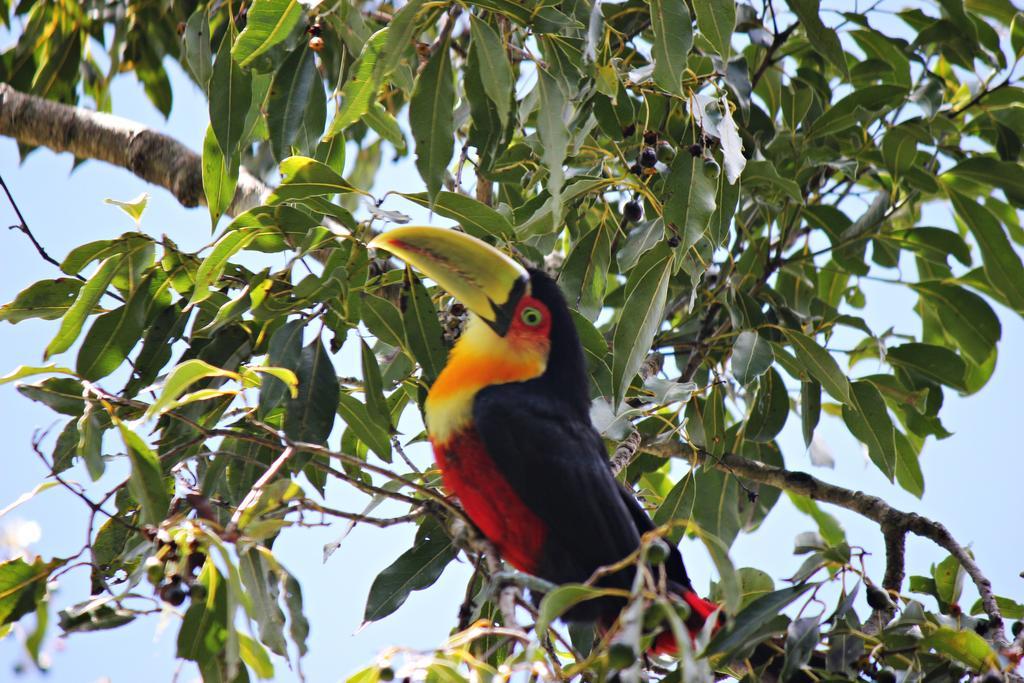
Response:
column 154, row 157
column 891, row 520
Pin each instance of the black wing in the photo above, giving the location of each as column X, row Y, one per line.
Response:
column 556, row 462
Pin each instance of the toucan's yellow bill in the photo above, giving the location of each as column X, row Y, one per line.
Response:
column 486, row 281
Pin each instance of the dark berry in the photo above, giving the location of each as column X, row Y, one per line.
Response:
column 195, row 562
column 632, row 211
column 1017, row 627
column 982, row 627
column 181, row 28
column 629, row 130
column 658, row 552
column 386, row 673
column 635, row 169
column 173, row 592
column 696, row 149
column 666, row 152
column 674, row 241
column 878, row 598
column 315, row 29
column 648, row 157
column 650, row 137
column 955, row 610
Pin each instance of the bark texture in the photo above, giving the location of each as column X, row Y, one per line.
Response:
column 156, row 158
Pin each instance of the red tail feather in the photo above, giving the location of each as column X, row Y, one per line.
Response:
column 700, row 610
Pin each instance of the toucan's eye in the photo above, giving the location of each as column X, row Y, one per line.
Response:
column 531, row 316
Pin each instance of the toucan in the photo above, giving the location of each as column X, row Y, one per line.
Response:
column 509, row 421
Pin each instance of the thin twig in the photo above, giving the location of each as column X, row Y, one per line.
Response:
column 864, row 504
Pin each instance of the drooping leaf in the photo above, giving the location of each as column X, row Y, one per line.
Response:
column 268, row 22
column 869, row 421
column 431, row 118
column 423, row 333
column 415, row 569
column 290, row 91
column 819, row 365
column 220, row 176
column 146, row 482
column 46, row 300
column 673, row 37
column 495, row 70
column 88, row 297
column 646, row 290
column 233, row 88
column 359, row 91
column 310, row 416
column 751, row 356
column 716, row 21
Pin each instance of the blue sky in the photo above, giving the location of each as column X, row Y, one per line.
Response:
column 972, row 479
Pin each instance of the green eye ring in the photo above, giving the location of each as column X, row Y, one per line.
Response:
column 531, row 316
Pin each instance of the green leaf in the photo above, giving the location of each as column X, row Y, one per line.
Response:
column 908, row 467
column 260, row 585
column 762, row 173
column 22, row 586
column 256, row 657
column 310, row 416
column 1005, row 175
column 554, row 137
column 641, row 317
column 132, row 207
column 967, row 317
column 802, row 638
column 423, row 334
column 495, row 70
column 823, row 39
column 673, row 37
column 198, row 54
column 747, row 623
column 88, row 297
column 899, row 150
column 869, row 421
column 383, row 320
column 751, row 356
column 228, row 108
column 819, row 365
column 46, row 300
column 220, row 176
column 361, row 88
column 289, row 96
column 949, row 580
column 61, row 394
column 810, row 409
column 716, row 20
column 366, row 428
column 828, row 526
column 584, row 275
column 964, row 646
column 1002, row 264
column 415, row 569
column 1017, row 34
column 1010, row 609
column 562, row 599
column 373, row 387
column 476, row 218
column 770, row 410
column 112, row 336
column 213, row 266
column 146, row 482
column 181, row 378
column 431, row 118
column 204, row 631
column 23, row 371
column 930, row 362
column 402, row 29
column 268, row 22
column 692, row 202
column 303, row 177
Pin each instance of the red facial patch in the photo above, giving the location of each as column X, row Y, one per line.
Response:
column 531, row 324
column 490, row 501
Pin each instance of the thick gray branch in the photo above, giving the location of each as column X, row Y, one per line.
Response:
column 152, row 156
column 892, row 521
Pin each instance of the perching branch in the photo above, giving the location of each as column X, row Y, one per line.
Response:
column 891, row 520
column 156, row 158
